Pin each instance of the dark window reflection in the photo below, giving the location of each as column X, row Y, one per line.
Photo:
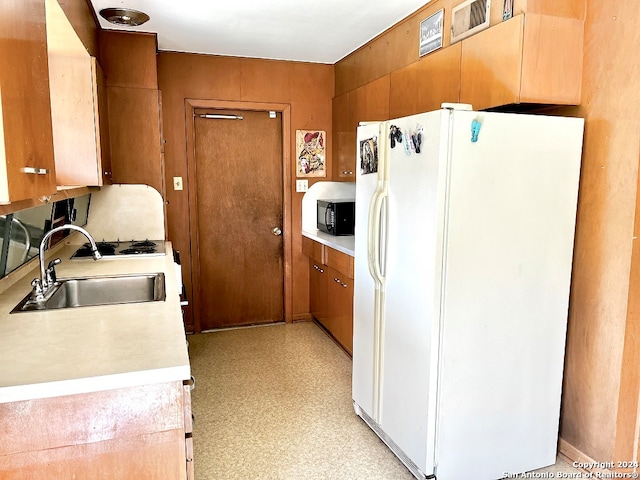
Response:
column 21, row 232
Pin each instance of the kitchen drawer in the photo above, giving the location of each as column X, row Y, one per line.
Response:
column 313, row 249
column 340, row 261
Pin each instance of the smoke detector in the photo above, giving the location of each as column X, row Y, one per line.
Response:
column 124, row 16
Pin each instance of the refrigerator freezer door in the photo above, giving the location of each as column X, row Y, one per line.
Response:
column 507, row 268
column 366, row 289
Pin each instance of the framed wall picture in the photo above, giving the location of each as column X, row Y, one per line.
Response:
column 431, row 33
column 310, row 153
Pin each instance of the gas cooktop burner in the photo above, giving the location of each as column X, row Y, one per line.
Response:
column 119, row 249
column 138, row 250
column 104, row 248
column 143, row 244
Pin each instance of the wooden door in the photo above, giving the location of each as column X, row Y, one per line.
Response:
column 239, row 195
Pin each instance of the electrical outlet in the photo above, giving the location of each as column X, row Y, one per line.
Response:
column 302, row 185
column 177, row 183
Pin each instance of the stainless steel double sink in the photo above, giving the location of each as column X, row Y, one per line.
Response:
column 98, row 290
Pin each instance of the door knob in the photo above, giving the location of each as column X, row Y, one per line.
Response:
column 277, row 231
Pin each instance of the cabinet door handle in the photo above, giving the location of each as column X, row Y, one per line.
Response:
column 318, row 268
column 347, row 172
column 35, row 171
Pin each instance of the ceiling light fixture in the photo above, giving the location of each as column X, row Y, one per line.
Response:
column 124, row 16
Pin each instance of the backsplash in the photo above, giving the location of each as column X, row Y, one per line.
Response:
column 126, row 212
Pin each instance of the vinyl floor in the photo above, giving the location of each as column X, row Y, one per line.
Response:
column 274, row 402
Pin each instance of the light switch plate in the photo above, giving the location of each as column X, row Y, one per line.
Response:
column 302, row 185
column 177, row 183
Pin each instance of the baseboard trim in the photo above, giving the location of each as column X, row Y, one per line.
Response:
column 302, row 317
column 580, row 460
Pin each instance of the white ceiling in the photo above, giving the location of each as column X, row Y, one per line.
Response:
column 319, row 31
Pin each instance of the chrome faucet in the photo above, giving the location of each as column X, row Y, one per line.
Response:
column 48, row 276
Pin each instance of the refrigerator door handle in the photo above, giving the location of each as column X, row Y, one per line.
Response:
column 382, row 237
column 371, row 237
column 376, row 235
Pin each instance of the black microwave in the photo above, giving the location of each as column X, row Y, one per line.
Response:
column 336, row 217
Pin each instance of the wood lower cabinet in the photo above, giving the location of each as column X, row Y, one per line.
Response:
column 318, row 291
column 331, row 290
column 188, row 430
column 340, row 299
column 135, row 432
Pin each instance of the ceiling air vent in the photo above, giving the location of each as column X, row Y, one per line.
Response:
column 468, row 18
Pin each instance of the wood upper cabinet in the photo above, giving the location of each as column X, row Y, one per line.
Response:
column 528, row 59
column 367, row 103
column 344, row 137
column 26, row 142
column 424, row 85
column 134, row 106
column 372, row 101
column 78, row 113
column 101, row 122
column 134, row 128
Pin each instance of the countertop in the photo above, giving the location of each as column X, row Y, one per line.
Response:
column 79, row 350
column 342, row 243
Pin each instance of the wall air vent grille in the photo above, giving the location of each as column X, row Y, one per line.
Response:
column 468, row 18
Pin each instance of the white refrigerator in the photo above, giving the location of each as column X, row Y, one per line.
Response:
column 463, row 251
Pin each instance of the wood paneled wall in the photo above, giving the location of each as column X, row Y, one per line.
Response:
column 397, row 47
column 599, row 414
column 308, row 88
column 599, row 418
